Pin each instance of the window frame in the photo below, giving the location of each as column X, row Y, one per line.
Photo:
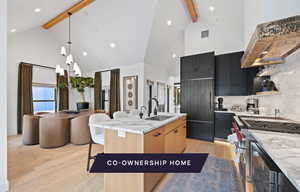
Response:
column 45, row 85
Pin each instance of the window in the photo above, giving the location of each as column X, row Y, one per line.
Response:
column 44, row 98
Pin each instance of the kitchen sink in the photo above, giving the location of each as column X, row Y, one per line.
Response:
column 159, row 118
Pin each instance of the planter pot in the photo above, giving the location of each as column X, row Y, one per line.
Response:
column 82, row 105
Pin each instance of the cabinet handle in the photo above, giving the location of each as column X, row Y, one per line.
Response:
column 157, row 134
column 210, row 101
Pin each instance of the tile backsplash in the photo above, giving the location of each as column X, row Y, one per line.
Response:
column 287, row 80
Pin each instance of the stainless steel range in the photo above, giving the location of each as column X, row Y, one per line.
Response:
column 271, row 124
column 257, row 167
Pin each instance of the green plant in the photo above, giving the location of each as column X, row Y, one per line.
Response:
column 80, row 83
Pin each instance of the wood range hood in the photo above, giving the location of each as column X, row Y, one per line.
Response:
column 272, row 42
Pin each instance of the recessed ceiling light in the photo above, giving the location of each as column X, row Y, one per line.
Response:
column 37, row 10
column 84, row 53
column 211, row 8
column 174, row 55
column 169, row 22
column 13, row 30
column 112, row 45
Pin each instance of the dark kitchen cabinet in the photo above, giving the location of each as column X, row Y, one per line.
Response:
column 231, row 79
column 197, row 94
column 223, row 124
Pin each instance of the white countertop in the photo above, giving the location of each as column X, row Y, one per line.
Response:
column 137, row 126
column 284, row 149
column 243, row 113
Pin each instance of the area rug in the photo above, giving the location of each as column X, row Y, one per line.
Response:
column 217, row 175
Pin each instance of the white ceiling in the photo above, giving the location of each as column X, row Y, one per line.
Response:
column 21, row 15
column 138, row 28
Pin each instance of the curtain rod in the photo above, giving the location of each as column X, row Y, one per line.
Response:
column 107, row 70
column 42, row 66
column 36, row 65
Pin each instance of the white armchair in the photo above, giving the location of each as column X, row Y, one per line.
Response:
column 97, row 134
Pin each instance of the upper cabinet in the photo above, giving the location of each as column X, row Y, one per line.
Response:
column 272, row 42
column 231, row 79
column 194, row 68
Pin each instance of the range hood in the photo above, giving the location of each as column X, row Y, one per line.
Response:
column 272, row 42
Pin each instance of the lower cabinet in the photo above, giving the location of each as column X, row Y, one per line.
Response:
column 153, row 143
column 167, row 139
column 223, row 124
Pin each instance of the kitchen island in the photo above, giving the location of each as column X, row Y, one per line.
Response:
column 141, row 136
column 284, row 149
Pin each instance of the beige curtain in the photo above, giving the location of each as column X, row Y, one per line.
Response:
column 25, row 105
column 114, row 103
column 98, row 91
column 63, row 91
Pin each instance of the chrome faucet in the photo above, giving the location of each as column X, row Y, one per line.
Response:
column 277, row 111
column 150, row 106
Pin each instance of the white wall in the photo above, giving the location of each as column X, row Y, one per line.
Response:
column 34, row 46
column 225, row 25
column 3, row 97
column 258, row 11
column 165, row 40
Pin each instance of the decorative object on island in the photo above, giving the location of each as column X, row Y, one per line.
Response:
column 69, row 57
column 130, row 93
column 80, row 83
column 272, row 42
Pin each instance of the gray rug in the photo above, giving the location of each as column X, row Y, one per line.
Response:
column 217, row 175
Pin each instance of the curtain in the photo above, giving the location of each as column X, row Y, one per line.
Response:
column 114, row 99
column 63, row 91
column 98, row 91
column 25, row 105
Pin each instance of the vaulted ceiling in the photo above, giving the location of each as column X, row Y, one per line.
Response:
column 138, row 28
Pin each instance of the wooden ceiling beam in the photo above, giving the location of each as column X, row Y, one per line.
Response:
column 81, row 4
column 192, row 10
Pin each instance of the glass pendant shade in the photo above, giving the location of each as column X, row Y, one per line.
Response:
column 78, row 72
column 57, row 69
column 62, row 72
column 63, row 51
column 75, row 67
column 69, row 60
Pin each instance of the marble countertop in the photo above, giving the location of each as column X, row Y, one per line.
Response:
column 137, row 126
column 284, row 149
column 243, row 113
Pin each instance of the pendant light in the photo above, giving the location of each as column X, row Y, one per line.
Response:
column 63, row 51
column 66, row 52
column 57, row 69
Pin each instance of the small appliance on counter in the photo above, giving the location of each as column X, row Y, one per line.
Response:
column 252, row 105
column 220, row 105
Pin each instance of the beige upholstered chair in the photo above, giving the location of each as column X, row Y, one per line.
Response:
column 54, row 132
column 80, row 131
column 30, row 130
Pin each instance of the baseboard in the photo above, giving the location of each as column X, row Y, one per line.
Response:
column 4, row 186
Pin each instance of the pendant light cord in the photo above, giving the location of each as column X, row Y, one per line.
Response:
column 70, row 42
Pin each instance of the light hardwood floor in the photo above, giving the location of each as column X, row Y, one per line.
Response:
column 62, row 169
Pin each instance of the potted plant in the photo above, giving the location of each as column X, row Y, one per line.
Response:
column 80, row 83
